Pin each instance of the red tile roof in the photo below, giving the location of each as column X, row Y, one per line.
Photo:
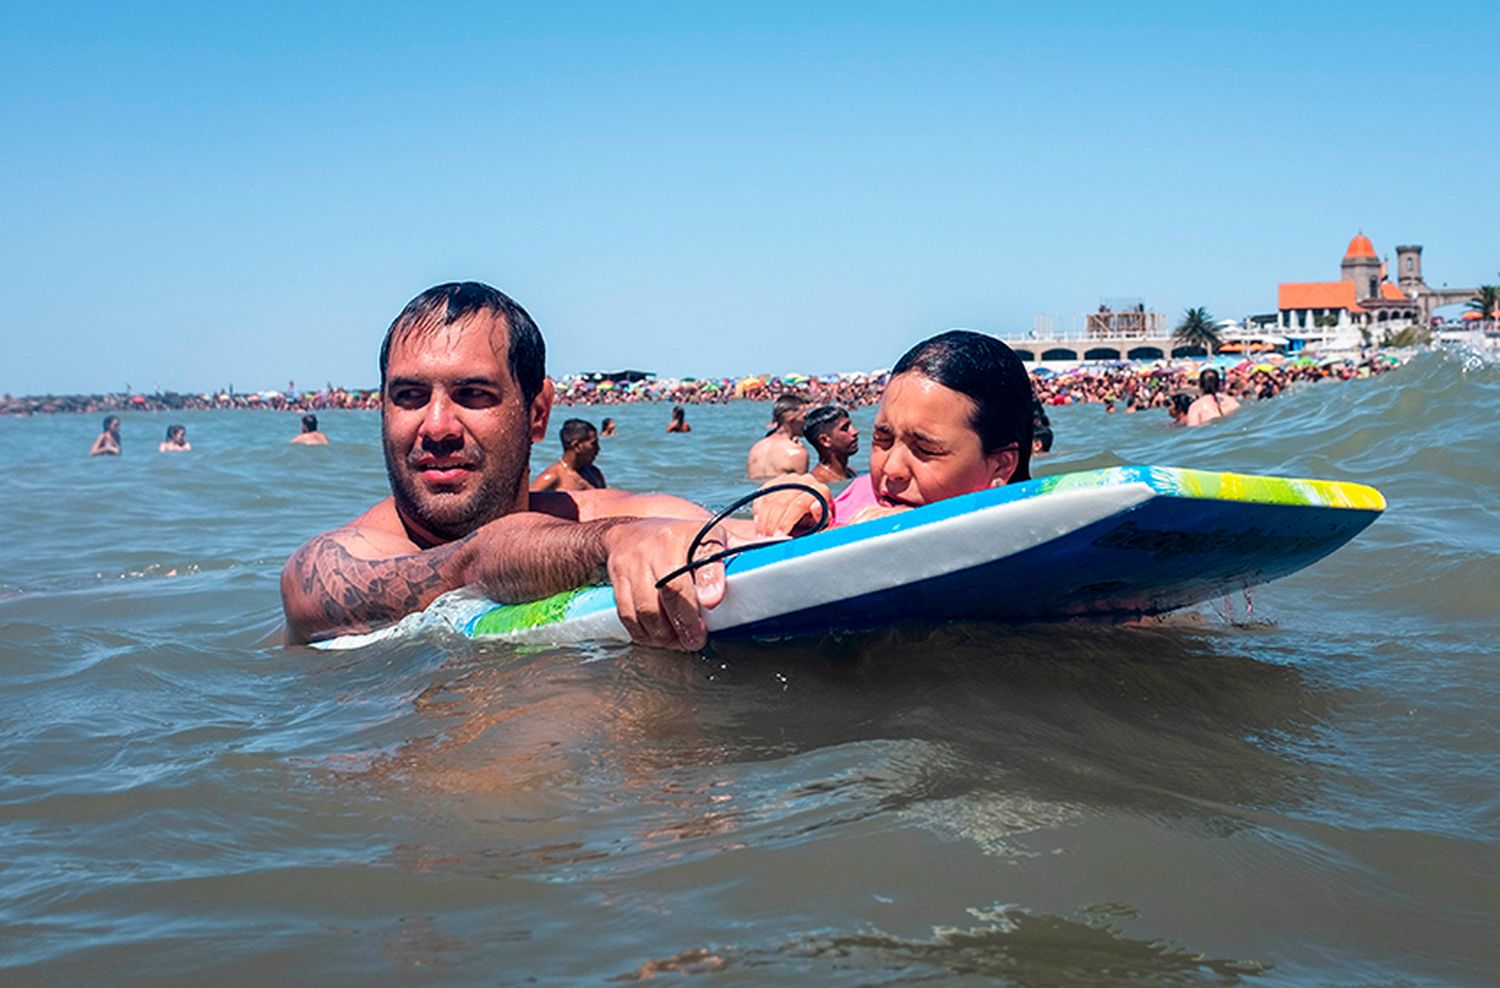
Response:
column 1317, row 295
column 1392, row 292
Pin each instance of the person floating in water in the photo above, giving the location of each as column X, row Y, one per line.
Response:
column 108, row 442
column 955, row 418
column 1178, row 406
column 1210, row 404
column 310, row 436
column 607, row 427
column 780, row 452
column 463, row 395
column 830, row 432
column 176, row 441
column 679, row 421
column 575, row 471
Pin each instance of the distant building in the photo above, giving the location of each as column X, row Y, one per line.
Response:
column 1364, row 297
column 1121, row 329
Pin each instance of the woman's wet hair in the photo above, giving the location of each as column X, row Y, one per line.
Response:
column 109, row 419
column 1208, row 381
column 174, row 430
column 990, row 375
column 824, row 418
column 444, row 305
column 1181, row 402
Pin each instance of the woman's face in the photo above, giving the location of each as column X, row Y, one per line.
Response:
column 925, row 448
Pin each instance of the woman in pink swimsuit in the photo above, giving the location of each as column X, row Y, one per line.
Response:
column 956, row 417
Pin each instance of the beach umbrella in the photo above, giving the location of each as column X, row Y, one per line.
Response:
column 1264, row 369
column 605, row 386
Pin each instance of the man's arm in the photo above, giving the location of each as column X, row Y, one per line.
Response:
column 358, row 577
column 353, row 579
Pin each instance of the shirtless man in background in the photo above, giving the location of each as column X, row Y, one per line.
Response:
column 834, row 437
column 463, row 395
column 575, row 471
column 780, row 452
column 310, row 436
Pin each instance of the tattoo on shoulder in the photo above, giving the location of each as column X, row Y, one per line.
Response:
column 353, row 594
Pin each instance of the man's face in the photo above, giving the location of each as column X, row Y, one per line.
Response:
column 456, row 432
column 843, row 439
column 585, row 450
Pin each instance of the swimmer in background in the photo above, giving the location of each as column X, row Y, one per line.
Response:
column 1041, row 438
column 1178, row 406
column 108, row 443
column 679, row 421
column 1210, row 405
column 607, row 427
column 829, row 431
column 310, row 436
column 576, row 470
column 176, row 441
column 780, row 452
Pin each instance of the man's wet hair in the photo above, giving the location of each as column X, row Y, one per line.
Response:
column 1042, row 437
column 309, row 423
column 785, row 407
column 1208, row 381
column 173, row 430
column 824, row 418
column 575, row 431
column 443, row 305
column 991, row 375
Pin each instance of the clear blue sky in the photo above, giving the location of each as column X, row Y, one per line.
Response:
column 194, row 197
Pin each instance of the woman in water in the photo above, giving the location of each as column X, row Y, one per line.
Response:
column 176, row 441
column 956, row 418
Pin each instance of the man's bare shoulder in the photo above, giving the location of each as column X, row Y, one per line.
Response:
column 376, row 534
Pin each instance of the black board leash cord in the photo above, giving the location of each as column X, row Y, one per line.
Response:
column 693, row 565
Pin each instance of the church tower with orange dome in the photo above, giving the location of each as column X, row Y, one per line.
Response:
column 1362, row 266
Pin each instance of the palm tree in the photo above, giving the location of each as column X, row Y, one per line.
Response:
column 1486, row 301
column 1197, row 330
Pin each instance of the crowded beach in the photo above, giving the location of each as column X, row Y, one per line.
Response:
column 1120, row 386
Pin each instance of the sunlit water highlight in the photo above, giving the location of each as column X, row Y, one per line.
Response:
column 1304, row 795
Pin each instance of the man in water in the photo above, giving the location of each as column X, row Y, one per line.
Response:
column 462, row 397
column 575, row 471
column 830, row 432
column 1210, row 404
column 780, row 452
column 310, row 436
column 108, row 443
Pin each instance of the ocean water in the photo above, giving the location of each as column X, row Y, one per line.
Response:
column 1304, row 791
